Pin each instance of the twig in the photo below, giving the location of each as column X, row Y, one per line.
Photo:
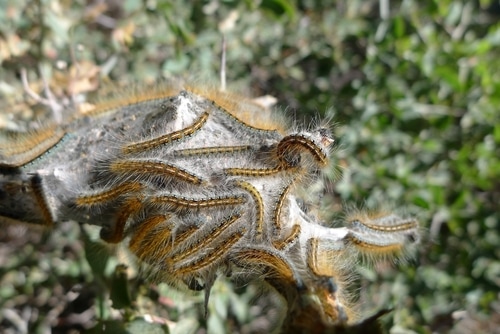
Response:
column 29, row 91
column 54, row 106
column 223, row 65
column 50, row 101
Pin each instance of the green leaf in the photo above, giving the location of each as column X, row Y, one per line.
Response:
column 140, row 326
column 120, row 294
column 279, row 7
column 97, row 255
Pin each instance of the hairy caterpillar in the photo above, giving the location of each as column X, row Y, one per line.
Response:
column 196, row 184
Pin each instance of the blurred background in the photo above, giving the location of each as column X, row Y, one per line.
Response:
column 414, row 87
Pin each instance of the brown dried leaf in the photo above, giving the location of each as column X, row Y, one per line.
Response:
column 124, row 34
column 82, row 77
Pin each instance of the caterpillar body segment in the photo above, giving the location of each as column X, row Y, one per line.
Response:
column 279, row 206
column 168, row 138
column 199, row 184
column 209, row 150
column 182, row 203
column 25, row 199
column 316, row 144
column 206, row 239
column 215, row 255
column 273, row 264
column 382, row 234
column 242, row 115
column 148, row 169
column 146, row 226
column 23, row 149
column 41, row 200
column 108, row 195
column 114, row 234
column 289, row 239
column 258, row 210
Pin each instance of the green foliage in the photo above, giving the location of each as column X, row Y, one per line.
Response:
column 415, row 93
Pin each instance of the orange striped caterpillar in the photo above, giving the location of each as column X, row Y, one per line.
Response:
column 198, row 187
column 166, row 138
column 21, row 150
column 151, row 168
